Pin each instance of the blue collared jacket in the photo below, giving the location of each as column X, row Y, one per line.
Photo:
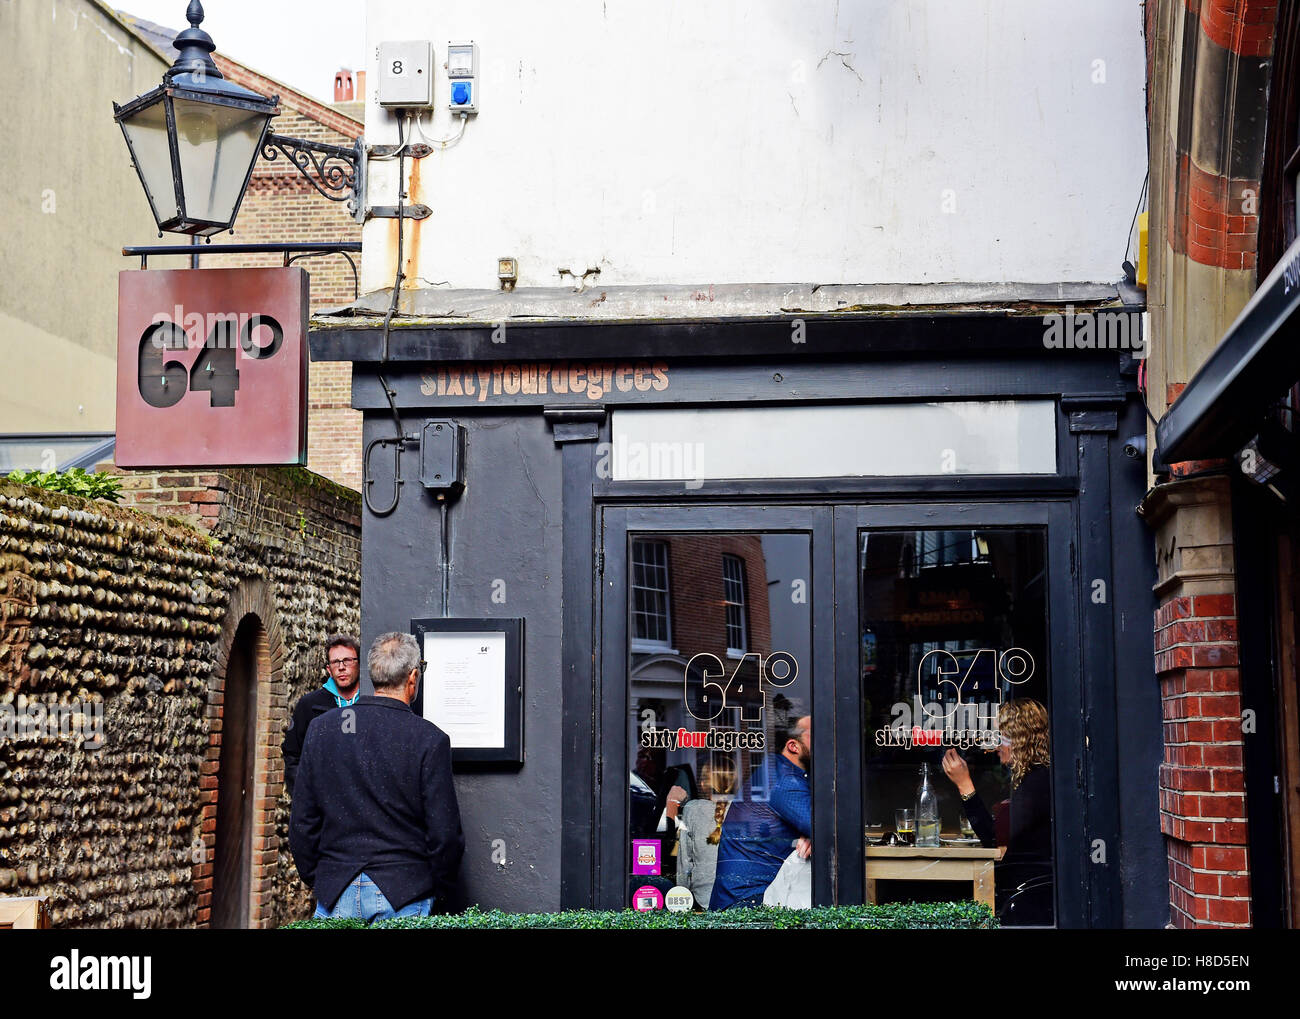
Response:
column 757, row 837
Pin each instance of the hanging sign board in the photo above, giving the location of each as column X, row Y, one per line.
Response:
column 212, row 367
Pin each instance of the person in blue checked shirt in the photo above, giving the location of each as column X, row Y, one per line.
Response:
column 757, row 837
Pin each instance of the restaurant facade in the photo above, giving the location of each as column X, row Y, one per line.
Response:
column 789, row 519
column 655, row 528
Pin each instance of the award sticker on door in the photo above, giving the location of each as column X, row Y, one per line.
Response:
column 647, row 899
column 679, row 899
column 645, row 856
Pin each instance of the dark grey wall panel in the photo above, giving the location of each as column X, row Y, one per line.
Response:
column 506, row 527
column 1139, row 723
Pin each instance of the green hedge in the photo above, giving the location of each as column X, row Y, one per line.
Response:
column 896, row 916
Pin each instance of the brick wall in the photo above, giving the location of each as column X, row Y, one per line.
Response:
column 1243, row 26
column 281, row 206
column 1214, row 182
column 1218, row 224
column 1202, row 777
column 303, row 532
column 1202, row 782
column 136, row 611
column 699, row 618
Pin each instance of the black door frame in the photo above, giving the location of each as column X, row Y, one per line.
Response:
column 833, row 530
column 616, row 524
column 1066, row 692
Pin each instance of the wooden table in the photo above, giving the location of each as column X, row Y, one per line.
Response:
column 945, row 863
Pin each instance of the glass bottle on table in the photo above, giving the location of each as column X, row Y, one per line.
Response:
column 927, row 811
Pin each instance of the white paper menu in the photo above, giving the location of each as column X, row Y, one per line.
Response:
column 464, row 686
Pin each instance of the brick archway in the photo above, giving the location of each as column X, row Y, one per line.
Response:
column 251, row 598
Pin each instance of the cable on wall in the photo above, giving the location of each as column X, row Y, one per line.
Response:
column 401, row 438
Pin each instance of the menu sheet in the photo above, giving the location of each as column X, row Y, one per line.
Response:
column 464, row 686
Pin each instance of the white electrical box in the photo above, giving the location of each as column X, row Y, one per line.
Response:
column 462, row 77
column 406, row 74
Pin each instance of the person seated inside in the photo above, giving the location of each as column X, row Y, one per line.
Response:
column 757, row 837
column 699, row 826
column 1026, row 752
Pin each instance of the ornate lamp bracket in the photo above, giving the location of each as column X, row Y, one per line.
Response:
column 335, row 172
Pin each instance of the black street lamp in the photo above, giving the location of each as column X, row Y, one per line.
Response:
column 195, row 138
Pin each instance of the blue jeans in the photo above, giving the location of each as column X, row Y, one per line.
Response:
column 363, row 900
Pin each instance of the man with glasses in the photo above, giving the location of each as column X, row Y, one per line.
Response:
column 388, row 841
column 341, row 687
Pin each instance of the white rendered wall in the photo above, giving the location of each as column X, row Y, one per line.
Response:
column 769, row 141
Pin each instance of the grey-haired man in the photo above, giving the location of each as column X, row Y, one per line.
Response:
column 388, row 840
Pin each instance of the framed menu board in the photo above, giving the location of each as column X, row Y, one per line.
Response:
column 472, row 685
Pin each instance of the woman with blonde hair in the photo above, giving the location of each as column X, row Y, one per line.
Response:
column 1025, row 749
column 699, row 828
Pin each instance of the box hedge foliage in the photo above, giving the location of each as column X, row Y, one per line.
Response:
column 895, row 916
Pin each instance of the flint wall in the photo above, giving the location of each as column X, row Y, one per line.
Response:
column 124, row 617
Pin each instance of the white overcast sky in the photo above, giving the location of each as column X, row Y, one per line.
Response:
column 301, row 43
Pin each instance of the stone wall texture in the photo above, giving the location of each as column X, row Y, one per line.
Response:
column 127, row 613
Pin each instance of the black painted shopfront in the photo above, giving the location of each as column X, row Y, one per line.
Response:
column 885, row 532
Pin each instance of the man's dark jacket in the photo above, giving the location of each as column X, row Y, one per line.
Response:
column 374, row 794
column 308, row 707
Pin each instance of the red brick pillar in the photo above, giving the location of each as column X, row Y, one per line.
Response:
column 1202, row 781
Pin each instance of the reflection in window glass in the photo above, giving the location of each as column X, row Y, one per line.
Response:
column 955, row 699
column 719, row 727
column 907, row 440
column 650, row 592
column 51, row 452
column 733, row 582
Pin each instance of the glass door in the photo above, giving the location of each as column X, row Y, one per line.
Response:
column 715, row 707
column 957, row 634
column 786, row 679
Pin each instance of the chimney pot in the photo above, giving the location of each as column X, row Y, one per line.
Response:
column 343, row 86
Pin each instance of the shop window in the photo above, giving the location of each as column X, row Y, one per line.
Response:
column 733, row 585
column 651, row 627
column 956, row 697
column 907, row 440
column 719, row 728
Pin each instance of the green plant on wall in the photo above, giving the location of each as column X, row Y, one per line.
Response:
column 74, row 482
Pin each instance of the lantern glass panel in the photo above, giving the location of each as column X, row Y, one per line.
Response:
column 146, row 130
column 216, row 145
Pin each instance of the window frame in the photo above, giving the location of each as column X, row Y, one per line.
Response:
column 642, row 644
column 742, row 606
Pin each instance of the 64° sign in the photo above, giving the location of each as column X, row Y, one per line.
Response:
column 212, row 367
